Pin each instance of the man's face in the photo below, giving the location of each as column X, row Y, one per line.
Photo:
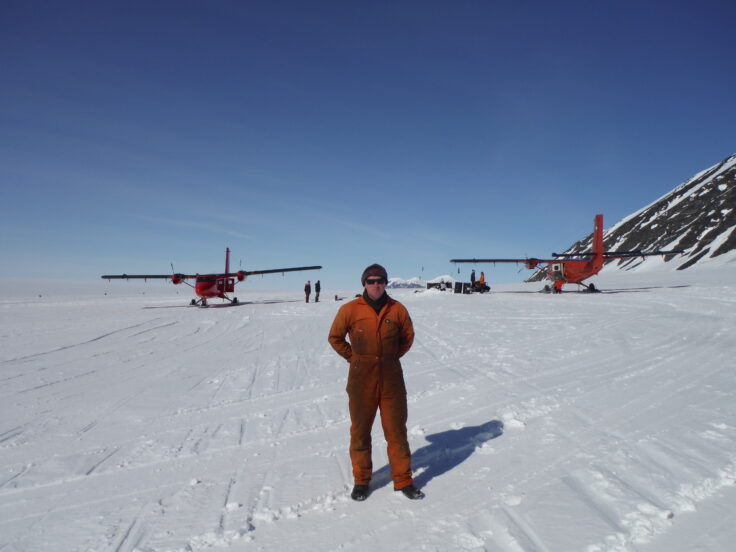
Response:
column 375, row 286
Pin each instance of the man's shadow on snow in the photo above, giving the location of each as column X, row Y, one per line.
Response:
column 447, row 450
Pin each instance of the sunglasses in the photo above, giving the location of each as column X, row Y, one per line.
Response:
column 375, row 281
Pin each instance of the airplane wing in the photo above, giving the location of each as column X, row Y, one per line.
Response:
column 177, row 278
column 529, row 262
column 500, row 260
column 609, row 255
column 532, row 262
column 277, row 270
column 146, row 276
column 628, row 254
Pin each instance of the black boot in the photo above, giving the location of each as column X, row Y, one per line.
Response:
column 411, row 492
column 360, row 493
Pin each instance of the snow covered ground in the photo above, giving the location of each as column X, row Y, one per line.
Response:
column 538, row 423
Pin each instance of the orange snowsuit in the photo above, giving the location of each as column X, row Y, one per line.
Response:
column 375, row 381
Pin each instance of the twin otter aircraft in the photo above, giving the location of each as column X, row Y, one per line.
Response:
column 210, row 286
column 570, row 268
column 573, row 268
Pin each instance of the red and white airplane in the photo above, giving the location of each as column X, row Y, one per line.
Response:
column 573, row 268
column 210, row 286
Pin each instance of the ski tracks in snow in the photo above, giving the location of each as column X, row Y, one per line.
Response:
column 529, row 416
column 632, row 507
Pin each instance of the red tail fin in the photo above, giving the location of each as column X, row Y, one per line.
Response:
column 598, row 239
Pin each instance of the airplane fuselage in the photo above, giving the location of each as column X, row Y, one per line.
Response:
column 211, row 286
column 574, row 272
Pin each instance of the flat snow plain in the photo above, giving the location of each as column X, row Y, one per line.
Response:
column 538, row 423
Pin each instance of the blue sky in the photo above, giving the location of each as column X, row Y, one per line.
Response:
column 136, row 134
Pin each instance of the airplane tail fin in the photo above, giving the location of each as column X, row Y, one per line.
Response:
column 598, row 237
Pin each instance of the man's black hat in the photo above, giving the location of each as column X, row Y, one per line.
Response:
column 374, row 270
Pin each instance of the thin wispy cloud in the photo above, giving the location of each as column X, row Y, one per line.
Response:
column 184, row 223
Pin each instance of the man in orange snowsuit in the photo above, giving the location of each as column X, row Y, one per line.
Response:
column 380, row 332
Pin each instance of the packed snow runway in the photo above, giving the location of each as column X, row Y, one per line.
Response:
column 538, row 423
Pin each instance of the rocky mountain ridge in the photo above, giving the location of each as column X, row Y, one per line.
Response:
column 698, row 216
column 399, row 283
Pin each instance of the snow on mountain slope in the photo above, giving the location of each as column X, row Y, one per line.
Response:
column 398, row 283
column 699, row 216
column 538, row 423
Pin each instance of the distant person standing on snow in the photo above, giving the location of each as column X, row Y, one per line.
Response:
column 472, row 279
column 317, row 289
column 380, row 332
column 307, row 290
column 559, row 281
column 482, row 283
